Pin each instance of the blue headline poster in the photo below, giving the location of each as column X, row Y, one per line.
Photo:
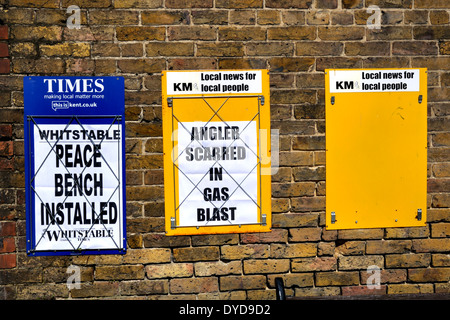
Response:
column 74, row 130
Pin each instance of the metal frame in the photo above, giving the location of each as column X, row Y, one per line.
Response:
column 257, row 166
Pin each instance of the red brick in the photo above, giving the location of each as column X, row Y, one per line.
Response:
column 4, row 66
column 4, row 52
column 7, row 261
column 363, row 290
column 7, row 245
column 3, row 32
column 5, row 131
column 7, row 228
column 6, row 148
column 6, row 164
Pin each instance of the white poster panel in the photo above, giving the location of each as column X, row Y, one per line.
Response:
column 76, row 183
column 218, row 177
column 214, row 82
column 396, row 80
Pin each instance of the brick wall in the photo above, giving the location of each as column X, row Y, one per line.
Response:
column 296, row 40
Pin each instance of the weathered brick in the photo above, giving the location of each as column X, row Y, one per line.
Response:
column 140, row 4
column 193, row 285
column 340, row 33
column 140, row 33
column 217, row 268
column 242, row 17
column 280, row 205
column 132, row 50
column 291, row 64
column 388, row 246
column 292, row 220
column 299, row 158
column 323, row 63
column 363, row 290
column 410, row 288
column 87, row 3
column 268, row 17
column 266, row 266
column 295, row 40
column 305, row 234
column 293, row 189
column 35, row 4
column 44, row 66
column 96, row 289
column 220, row 50
column 7, row 261
column 390, row 33
column 169, row 270
column 444, row 47
column 408, row 260
column 228, row 283
column 339, row 278
column 441, row 170
column 255, row 251
column 119, row 17
column 276, row 235
column 440, row 260
column 189, row 4
column 316, row 48
column 6, row 148
column 4, row 30
column 429, row 275
column 308, row 143
column 144, row 193
column 308, row 173
column 375, row 48
column 291, row 33
column 66, row 49
column 4, row 51
column 241, row 34
column 196, row 254
column 150, row 161
column 7, row 228
column 191, row 33
column 215, row 239
column 432, row 4
column 122, row 272
column 140, row 66
column 439, row 17
column 314, row 264
column 295, row 250
column 144, row 287
column 431, row 245
column 36, row 33
column 288, row 4
column 238, row 4
column 440, row 230
column 91, row 33
column 7, row 245
column 307, row 204
column 209, row 17
column 146, row 256
column 360, row 262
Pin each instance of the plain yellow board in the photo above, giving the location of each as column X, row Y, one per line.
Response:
column 186, row 107
column 376, row 158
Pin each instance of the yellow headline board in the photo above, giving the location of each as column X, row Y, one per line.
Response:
column 376, row 148
column 216, row 125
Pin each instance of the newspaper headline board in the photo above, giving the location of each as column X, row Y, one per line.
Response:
column 75, row 165
column 376, row 148
column 216, row 151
